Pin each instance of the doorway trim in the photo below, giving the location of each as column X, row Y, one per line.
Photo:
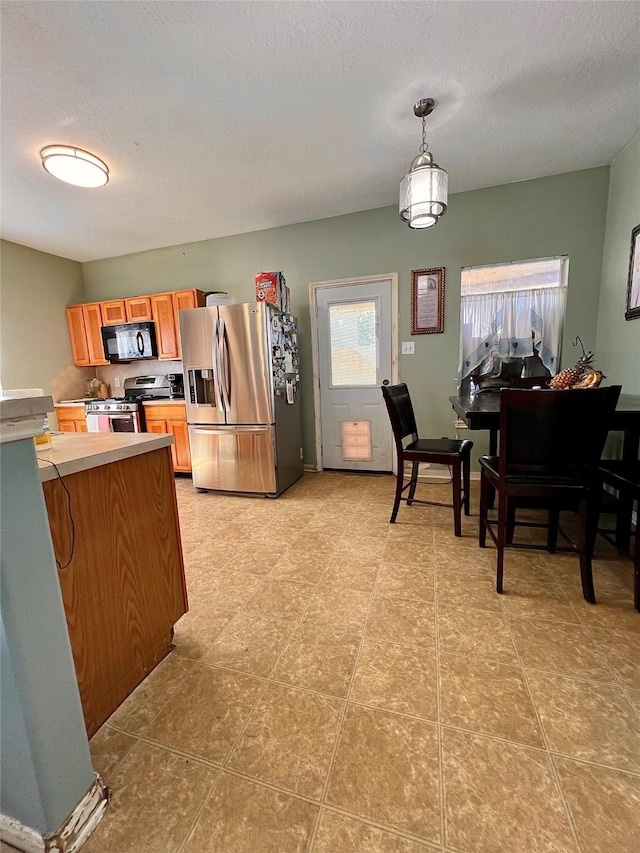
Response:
column 314, row 287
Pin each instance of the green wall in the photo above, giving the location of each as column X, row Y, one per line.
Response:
column 34, row 339
column 562, row 214
column 618, row 340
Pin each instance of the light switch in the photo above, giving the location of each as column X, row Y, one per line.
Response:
column 408, row 348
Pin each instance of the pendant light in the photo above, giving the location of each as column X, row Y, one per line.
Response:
column 74, row 166
column 423, row 190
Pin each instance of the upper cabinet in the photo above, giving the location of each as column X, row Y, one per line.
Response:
column 113, row 312
column 138, row 309
column 85, row 322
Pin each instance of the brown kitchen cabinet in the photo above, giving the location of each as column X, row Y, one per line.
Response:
column 71, row 418
column 171, row 418
column 138, row 310
column 164, row 317
column 78, row 336
column 123, row 584
column 113, row 313
column 183, row 300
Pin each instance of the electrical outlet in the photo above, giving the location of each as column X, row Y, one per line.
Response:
column 116, row 382
column 408, row 348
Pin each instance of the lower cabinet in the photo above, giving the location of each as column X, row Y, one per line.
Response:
column 71, row 418
column 171, row 418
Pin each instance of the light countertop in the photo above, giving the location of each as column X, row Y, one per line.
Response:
column 172, row 402
column 74, row 452
column 79, row 402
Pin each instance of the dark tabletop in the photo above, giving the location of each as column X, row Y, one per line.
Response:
column 482, row 411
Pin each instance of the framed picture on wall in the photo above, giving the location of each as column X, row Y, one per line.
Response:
column 427, row 301
column 633, row 285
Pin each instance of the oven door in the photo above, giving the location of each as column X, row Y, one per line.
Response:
column 108, row 422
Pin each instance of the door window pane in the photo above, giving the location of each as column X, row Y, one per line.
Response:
column 354, row 344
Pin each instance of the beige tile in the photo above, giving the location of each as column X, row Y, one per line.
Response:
column 587, row 720
column 406, row 581
column 363, row 547
column 338, row 609
column 280, row 598
column 245, row 817
column 408, row 553
column 351, row 573
column 289, row 740
column 318, row 660
column 108, row 747
column 141, row 708
column 622, row 651
column 155, row 797
column 339, row 833
column 634, row 695
column 604, row 804
column 206, row 716
column 386, row 769
column 312, row 541
column 471, row 588
column 200, row 627
column 228, row 589
column 402, row 620
column 478, row 633
column 489, row 698
column 250, row 643
column 608, row 613
column 529, row 597
column 558, row 647
column 501, row 797
column 255, row 561
column 303, row 566
column 461, row 559
column 398, row 678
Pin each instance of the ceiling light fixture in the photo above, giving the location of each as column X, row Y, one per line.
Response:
column 423, row 190
column 74, row 166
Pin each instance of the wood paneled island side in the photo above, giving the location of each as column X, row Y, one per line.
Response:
column 116, row 539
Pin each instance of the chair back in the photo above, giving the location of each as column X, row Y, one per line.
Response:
column 549, row 431
column 403, row 421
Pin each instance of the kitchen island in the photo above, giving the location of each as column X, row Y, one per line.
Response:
column 116, row 537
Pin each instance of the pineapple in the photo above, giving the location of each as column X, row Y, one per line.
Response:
column 572, row 375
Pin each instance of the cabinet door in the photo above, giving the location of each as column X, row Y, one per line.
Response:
column 180, row 447
column 113, row 312
column 93, row 325
column 78, row 336
column 138, row 309
column 156, row 426
column 67, row 426
column 81, row 426
column 164, row 317
column 183, row 300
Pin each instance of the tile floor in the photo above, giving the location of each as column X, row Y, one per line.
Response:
column 341, row 685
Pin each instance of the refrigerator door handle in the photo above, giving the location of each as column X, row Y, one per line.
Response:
column 216, row 369
column 222, row 363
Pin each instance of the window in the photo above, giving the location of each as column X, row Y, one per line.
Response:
column 511, row 318
column 354, row 350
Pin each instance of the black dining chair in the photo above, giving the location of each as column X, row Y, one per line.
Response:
column 625, row 477
column 550, row 448
column 437, row 451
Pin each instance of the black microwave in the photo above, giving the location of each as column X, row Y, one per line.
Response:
column 129, row 342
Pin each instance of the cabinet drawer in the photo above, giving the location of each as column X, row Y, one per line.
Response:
column 113, row 312
column 138, row 309
column 160, row 412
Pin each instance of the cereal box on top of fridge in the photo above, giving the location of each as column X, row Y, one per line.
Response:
column 270, row 288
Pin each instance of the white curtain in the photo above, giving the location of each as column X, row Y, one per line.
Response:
column 511, row 324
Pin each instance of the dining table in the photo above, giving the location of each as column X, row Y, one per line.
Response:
column 481, row 411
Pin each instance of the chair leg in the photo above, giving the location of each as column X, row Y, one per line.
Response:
column 588, row 521
column 503, row 504
column 466, row 482
column 414, row 483
column 636, row 568
column 457, row 498
column 552, row 530
column 511, row 522
column 398, row 497
column 484, row 508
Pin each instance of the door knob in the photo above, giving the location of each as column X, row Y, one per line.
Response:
column 385, row 381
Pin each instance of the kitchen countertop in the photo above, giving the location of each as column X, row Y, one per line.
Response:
column 74, row 452
column 174, row 401
column 79, row 402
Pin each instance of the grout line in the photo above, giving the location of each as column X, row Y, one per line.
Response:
column 443, row 813
column 545, row 740
column 340, row 726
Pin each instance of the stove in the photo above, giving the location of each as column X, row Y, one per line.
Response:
column 125, row 414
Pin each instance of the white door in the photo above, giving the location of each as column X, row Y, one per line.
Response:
column 355, row 357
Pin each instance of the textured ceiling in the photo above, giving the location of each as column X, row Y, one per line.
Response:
column 219, row 118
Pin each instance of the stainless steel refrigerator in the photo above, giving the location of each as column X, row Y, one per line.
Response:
column 242, row 395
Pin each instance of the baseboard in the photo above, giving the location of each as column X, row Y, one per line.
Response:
column 73, row 833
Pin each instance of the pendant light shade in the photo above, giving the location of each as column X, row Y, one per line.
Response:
column 423, row 190
column 74, row 166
